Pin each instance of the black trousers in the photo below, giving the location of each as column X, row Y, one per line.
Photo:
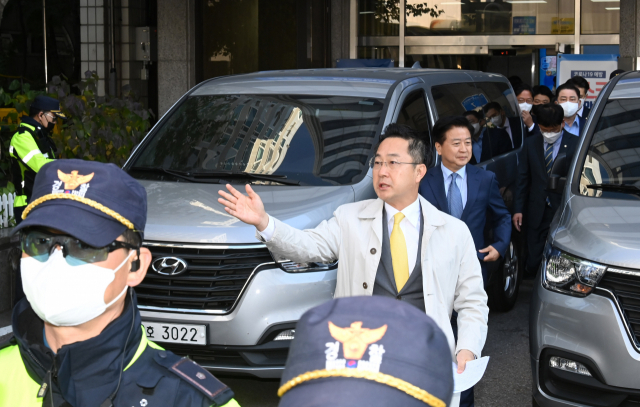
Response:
column 536, row 238
column 466, row 397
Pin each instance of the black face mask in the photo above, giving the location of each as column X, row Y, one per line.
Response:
column 50, row 127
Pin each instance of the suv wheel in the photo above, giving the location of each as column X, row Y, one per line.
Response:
column 504, row 291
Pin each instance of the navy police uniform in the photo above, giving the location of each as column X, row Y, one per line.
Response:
column 96, row 203
column 367, row 351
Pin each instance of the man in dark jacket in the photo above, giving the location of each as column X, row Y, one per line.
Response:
column 536, row 161
column 78, row 338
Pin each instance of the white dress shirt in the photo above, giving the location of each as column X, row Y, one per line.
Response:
column 410, row 227
column 461, row 182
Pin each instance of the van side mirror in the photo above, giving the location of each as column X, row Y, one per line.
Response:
column 557, row 178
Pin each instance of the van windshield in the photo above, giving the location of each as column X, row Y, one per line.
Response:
column 612, row 165
column 305, row 140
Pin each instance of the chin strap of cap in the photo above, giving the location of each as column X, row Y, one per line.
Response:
column 86, row 201
column 382, row 378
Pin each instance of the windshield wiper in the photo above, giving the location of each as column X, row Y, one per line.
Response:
column 178, row 174
column 282, row 179
column 215, row 176
column 630, row 189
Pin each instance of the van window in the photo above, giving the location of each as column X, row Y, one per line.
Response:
column 313, row 140
column 414, row 114
column 465, row 99
column 501, row 93
column 611, row 168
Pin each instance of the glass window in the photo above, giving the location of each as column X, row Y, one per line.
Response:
column 600, row 17
column 414, row 114
column 468, row 17
column 488, row 105
column 378, row 18
column 613, row 158
column 379, row 53
column 316, row 140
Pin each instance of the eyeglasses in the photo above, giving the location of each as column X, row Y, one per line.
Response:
column 38, row 244
column 391, row 165
column 54, row 118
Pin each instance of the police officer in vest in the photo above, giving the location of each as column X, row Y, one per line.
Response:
column 78, row 338
column 32, row 147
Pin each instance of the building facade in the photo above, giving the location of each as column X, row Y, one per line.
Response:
column 189, row 41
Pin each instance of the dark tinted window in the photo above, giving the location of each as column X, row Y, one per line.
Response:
column 455, row 99
column 414, row 114
column 317, row 140
column 613, row 158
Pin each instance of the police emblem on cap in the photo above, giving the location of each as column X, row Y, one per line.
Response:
column 355, row 340
column 71, row 182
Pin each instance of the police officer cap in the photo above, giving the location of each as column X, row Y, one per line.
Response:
column 367, row 351
column 92, row 201
column 48, row 104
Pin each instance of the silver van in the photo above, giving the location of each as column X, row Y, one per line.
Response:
column 303, row 140
column 585, row 309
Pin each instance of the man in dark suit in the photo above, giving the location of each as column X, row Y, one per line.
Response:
column 485, row 142
column 568, row 97
column 468, row 193
column 479, row 190
column 583, row 86
column 536, row 161
column 510, row 125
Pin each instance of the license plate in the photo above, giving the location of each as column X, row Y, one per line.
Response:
column 176, row 333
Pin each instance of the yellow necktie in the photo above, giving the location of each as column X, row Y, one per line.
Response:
column 399, row 253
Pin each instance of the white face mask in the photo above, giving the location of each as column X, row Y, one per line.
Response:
column 497, row 121
column 570, row 108
column 65, row 295
column 551, row 137
column 525, row 107
column 476, row 127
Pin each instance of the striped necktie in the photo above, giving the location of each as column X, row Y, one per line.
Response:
column 548, row 158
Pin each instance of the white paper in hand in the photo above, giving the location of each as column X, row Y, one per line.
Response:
column 472, row 374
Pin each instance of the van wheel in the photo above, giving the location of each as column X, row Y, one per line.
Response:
column 504, row 290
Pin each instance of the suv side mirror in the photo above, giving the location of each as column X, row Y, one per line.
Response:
column 557, row 178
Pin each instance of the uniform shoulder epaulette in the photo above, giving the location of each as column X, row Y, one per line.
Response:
column 8, row 342
column 195, row 375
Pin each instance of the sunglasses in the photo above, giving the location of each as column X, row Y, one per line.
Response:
column 39, row 244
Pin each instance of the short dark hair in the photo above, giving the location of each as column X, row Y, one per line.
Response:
column 33, row 112
column 475, row 114
column 543, row 90
column 567, row 86
column 515, row 80
column 491, row 105
column 419, row 150
column 549, row 115
column 616, row 73
column 518, row 89
column 579, row 82
column 131, row 237
column 444, row 124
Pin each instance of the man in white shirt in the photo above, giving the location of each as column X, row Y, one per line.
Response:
column 398, row 245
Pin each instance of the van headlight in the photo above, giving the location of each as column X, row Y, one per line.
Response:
column 570, row 275
column 294, row 267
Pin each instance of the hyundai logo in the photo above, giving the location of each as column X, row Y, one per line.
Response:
column 169, row 266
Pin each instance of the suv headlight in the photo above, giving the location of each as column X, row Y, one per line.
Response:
column 570, row 275
column 293, row 267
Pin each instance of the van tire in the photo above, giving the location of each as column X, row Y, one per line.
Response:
column 503, row 292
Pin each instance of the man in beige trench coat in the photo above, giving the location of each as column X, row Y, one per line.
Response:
column 378, row 243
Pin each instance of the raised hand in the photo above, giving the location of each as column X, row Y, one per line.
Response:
column 248, row 208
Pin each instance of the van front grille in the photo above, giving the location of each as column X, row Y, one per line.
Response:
column 212, row 281
column 625, row 287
